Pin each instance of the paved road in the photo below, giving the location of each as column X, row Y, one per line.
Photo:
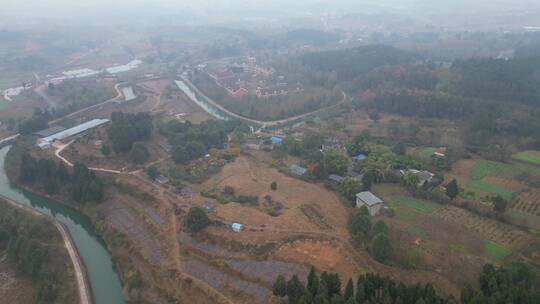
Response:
column 82, row 282
column 258, row 122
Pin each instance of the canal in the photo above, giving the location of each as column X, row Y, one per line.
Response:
column 106, row 286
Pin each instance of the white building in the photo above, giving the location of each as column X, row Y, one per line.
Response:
column 372, row 202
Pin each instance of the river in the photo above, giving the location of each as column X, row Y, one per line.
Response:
column 106, row 286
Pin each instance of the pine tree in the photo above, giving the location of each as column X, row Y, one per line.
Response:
column 295, row 290
column 349, row 290
column 279, row 288
column 452, row 189
column 313, row 281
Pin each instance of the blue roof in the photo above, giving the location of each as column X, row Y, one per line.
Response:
column 360, row 157
column 276, row 139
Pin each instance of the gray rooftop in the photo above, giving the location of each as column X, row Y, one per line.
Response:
column 295, row 169
column 369, row 198
column 50, row 131
column 335, row 177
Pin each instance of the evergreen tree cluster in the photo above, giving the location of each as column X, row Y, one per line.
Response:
column 374, row 237
column 517, row 283
column 370, row 288
column 128, row 128
column 82, row 184
column 23, row 240
column 39, row 121
column 191, row 141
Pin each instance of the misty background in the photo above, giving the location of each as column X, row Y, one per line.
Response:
column 274, row 13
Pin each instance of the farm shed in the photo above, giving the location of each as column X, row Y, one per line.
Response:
column 276, row 140
column 236, row 227
column 73, row 131
column 359, row 157
column 372, row 202
column 297, row 170
column 50, row 131
column 335, row 179
column 253, row 143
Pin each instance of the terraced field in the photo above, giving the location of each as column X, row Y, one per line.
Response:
column 502, row 234
column 528, row 202
column 532, row 157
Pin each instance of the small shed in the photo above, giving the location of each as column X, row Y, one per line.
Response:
column 297, row 170
column 161, row 179
column 372, row 202
column 335, row 179
column 253, row 143
column 236, row 227
column 277, row 140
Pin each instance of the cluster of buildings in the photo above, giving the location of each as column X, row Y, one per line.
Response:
column 247, row 77
column 86, row 72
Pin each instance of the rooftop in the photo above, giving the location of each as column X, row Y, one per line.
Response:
column 369, row 198
column 298, row 170
column 50, row 131
column 75, row 130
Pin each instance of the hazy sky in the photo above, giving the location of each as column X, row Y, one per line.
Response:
column 104, row 11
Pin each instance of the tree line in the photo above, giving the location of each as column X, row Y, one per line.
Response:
column 81, row 184
column 516, row 283
column 27, row 241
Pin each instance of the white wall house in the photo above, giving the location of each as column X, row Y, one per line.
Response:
column 372, row 202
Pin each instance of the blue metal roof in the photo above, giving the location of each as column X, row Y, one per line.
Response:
column 360, row 157
column 75, row 130
column 276, row 139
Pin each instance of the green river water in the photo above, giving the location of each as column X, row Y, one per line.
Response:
column 106, row 286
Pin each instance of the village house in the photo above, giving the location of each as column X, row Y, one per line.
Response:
column 372, row 202
column 253, row 144
column 423, row 176
column 297, row 170
column 335, row 179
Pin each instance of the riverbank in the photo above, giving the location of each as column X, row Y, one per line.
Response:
column 84, row 289
column 29, row 228
column 103, row 284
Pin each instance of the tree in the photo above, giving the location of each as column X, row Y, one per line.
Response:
column 197, row 219
column 332, row 283
column 295, row 290
column 349, row 187
column 360, row 226
column 139, row 154
column 180, row 155
column 380, row 227
column 349, row 290
column 273, row 185
column 152, row 172
column 381, row 247
column 452, row 190
column 313, row 281
column 335, row 163
column 368, row 179
column 105, row 150
column 228, row 190
column 499, row 204
column 62, row 172
column 279, row 288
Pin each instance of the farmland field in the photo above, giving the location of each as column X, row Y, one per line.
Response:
column 416, row 204
column 485, row 168
column 493, row 230
column 495, row 250
column 490, row 188
column 532, row 157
